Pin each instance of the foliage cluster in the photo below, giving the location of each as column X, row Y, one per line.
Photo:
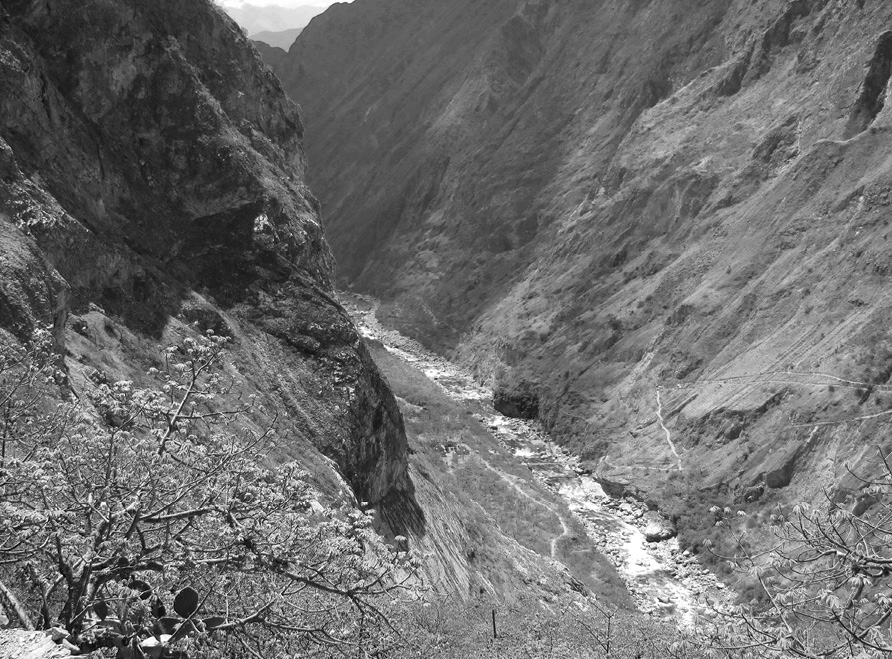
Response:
column 451, row 629
column 144, row 523
column 827, row 580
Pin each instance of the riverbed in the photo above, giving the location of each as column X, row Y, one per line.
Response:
column 662, row 579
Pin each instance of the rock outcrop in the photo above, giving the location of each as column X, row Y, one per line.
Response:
column 16, row 644
column 672, row 219
column 657, row 528
column 519, row 400
column 151, row 185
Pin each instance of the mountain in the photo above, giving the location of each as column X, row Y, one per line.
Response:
column 270, row 54
column 661, row 229
column 271, row 18
column 151, row 186
column 282, row 39
column 152, row 189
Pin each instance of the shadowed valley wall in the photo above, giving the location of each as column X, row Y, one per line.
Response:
column 665, row 224
column 151, row 186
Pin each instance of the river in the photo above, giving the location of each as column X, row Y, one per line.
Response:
column 662, row 579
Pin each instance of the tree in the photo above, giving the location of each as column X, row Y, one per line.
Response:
column 827, row 581
column 147, row 522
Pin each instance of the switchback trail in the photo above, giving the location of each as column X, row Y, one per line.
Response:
column 661, row 579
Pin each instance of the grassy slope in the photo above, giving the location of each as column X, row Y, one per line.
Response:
column 487, row 518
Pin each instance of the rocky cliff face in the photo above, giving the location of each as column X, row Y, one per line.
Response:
column 665, row 224
column 151, row 185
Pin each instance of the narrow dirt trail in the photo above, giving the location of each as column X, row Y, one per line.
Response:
column 661, row 579
column 513, row 484
column 566, row 534
column 666, row 430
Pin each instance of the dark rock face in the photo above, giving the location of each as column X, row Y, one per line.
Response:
column 873, row 90
column 378, row 102
column 639, row 206
column 151, row 182
column 518, row 401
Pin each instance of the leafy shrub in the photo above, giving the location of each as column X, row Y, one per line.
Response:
column 146, row 522
column 825, row 583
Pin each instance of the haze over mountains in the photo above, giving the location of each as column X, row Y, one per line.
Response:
column 274, row 24
column 282, row 39
column 661, row 230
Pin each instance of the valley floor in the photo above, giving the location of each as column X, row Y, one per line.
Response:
column 661, row 579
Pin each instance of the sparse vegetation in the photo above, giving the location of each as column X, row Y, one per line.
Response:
column 450, row 629
column 824, row 585
column 146, row 524
column 487, row 482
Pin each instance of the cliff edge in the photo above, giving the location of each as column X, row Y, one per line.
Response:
column 151, row 185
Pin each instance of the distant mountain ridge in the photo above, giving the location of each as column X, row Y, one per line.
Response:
column 282, row 39
column 274, row 18
column 271, row 54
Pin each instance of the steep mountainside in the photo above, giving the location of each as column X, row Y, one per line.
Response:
column 150, row 186
column 661, row 226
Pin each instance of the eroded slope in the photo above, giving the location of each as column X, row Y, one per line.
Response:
column 667, row 222
column 151, row 186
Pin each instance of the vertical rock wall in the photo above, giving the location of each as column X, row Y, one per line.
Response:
column 151, row 185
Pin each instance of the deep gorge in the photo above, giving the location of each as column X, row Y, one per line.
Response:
column 609, row 209
column 518, row 326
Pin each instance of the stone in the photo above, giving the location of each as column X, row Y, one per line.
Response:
column 19, row 644
column 658, row 528
column 518, row 401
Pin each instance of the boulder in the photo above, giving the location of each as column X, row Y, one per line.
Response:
column 21, row 644
column 657, row 527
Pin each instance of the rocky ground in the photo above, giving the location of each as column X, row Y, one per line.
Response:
column 20, row 644
column 661, row 578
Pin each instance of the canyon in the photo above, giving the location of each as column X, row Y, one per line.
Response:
column 547, row 288
column 663, row 581
column 661, row 230
column 152, row 191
